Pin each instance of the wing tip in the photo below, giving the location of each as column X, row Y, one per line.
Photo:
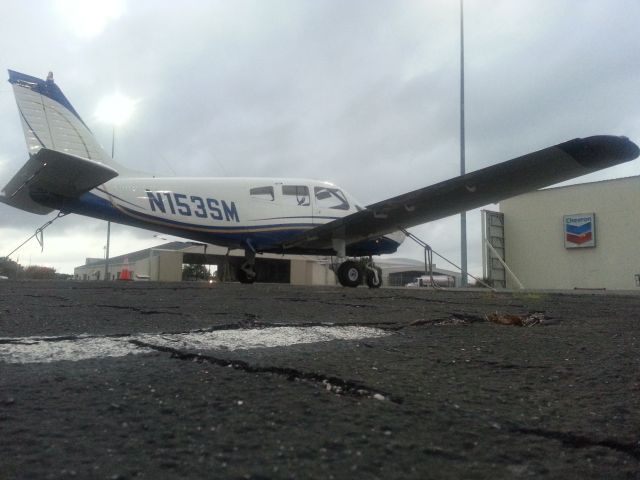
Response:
column 601, row 151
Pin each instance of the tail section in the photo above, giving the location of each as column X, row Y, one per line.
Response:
column 50, row 121
column 65, row 159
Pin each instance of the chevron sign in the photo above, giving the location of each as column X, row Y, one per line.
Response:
column 579, row 230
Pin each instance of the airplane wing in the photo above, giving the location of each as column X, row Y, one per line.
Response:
column 51, row 172
column 489, row 185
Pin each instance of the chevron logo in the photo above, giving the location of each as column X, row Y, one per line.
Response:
column 578, row 230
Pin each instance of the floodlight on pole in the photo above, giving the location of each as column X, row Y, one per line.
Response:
column 115, row 110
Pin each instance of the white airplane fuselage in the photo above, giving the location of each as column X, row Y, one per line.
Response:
column 255, row 213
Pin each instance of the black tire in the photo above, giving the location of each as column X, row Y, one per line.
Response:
column 244, row 277
column 371, row 278
column 349, row 274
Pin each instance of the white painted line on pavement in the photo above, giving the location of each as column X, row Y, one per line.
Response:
column 48, row 349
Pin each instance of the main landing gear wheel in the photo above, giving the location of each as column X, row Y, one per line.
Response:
column 246, row 272
column 349, row 274
column 374, row 277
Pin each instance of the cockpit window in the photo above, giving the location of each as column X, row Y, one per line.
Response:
column 330, row 198
column 296, row 195
column 262, row 193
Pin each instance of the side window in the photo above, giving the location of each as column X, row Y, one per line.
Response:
column 296, row 195
column 330, row 198
column 262, row 193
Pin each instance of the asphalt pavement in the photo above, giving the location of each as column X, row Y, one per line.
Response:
column 190, row 380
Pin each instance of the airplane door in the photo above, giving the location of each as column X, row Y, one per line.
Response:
column 329, row 203
column 297, row 201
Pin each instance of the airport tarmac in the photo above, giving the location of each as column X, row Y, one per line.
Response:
column 190, row 380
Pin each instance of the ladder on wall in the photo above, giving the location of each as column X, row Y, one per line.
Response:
column 493, row 248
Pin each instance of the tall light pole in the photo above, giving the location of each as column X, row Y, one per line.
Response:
column 463, row 215
column 106, row 257
column 114, row 110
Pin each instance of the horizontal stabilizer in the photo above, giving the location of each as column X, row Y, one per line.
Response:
column 54, row 173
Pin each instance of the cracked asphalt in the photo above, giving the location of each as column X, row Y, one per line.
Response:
column 446, row 394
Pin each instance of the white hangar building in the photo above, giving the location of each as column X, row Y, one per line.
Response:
column 583, row 236
column 164, row 263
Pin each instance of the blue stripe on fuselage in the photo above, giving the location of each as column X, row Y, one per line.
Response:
column 91, row 205
column 262, row 237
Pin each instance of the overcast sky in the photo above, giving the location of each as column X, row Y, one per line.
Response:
column 364, row 94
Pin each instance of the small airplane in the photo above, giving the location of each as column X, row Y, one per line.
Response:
column 69, row 171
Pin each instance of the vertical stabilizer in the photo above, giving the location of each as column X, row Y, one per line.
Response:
column 50, row 121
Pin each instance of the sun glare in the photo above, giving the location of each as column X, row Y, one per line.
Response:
column 89, row 18
column 115, row 109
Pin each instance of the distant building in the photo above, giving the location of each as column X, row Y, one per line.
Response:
column 400, row 272
column 578, row 236
column 165, row 263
